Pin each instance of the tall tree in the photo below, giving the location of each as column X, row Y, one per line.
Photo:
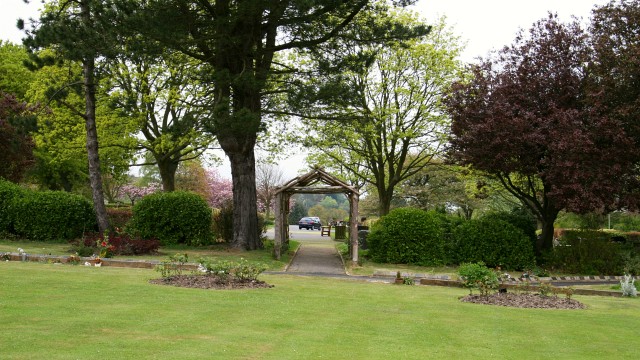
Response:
column 79, row 30
column 524, row 118
column 615, row 31
column 14, row 76
column 161, row 93
column 16, row 146
column 239, row 41
column 385, row 122
column 268, row 178
column 61, row 138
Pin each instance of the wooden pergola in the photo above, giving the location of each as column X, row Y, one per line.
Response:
column 309, row 184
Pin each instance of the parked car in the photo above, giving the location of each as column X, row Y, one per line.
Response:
column 309, row 223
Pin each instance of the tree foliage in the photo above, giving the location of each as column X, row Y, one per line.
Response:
column 615, row 31
column 16, row 145
column 268, row 178
column 238, row 42
column 166, row 102
column 381, row 119
column 82, row 31
column 524, row 117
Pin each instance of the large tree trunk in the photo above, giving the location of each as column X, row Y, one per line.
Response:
column 384, row 201
column 167, row 170
column 95, row 178
column 545, row 240
column 245, row 209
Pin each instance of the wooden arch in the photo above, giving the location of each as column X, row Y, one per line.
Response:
column 308, row 184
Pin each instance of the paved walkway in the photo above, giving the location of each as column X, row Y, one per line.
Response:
column 317, row 257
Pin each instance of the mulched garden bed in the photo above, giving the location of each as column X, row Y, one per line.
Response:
column 525, row 301
column 210, row 282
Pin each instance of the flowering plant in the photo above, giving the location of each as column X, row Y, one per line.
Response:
column 105, row 248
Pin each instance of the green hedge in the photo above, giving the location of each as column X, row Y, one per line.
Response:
column 173, row 218
column 494, row 242
column 52, row 215
column 8, row 192
column 587, row 252
column 519, row 219
column 408, row 236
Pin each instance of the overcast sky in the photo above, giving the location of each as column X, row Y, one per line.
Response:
column 484, row 25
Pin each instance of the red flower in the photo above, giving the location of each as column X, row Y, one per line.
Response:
column 104, row 244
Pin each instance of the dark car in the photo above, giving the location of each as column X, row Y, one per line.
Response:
column 309, row 223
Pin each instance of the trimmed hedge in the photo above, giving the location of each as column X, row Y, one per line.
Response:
column 173, row 218
column 408, row 236
column 52, row 215
column 8, row 192
column 494, row 242
column 519, row 219
column 588, row 252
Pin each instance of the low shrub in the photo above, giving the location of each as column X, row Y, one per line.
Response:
column 119, row 217
column 241, row 271
column 478, row 276
column 628, row 286
column 174, row 265
column 52, row 215
column 408, row 236
column 495, row 242
column 587, row 252
column 123, row 244
column 222, row 224
column 173, row 218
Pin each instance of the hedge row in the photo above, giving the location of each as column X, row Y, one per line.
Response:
column 413, row 236
column 44, row 215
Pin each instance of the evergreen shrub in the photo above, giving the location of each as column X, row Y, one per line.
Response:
column 172, row 218
column 494, row 242
column 8, row 192
column 52, row 215
column 119, row 217
column 223, row 223
column 587, row 252
column 520, row 219
column 408, row 236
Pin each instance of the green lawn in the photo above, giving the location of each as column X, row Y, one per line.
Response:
column 74, row 312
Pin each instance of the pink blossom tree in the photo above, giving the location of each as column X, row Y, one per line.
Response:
column 135, row 193
column 220, row 190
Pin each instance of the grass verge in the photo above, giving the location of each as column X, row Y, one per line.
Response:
column 220, row 251
column 63, row 311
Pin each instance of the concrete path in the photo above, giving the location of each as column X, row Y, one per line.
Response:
column 317, row 257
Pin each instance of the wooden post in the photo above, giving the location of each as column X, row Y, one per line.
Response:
column 353, row 226
column 277, row 241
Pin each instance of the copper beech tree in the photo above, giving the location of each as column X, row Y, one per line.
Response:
column 529, row 117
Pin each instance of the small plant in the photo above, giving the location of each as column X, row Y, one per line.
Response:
column 545, row 289
column 104, row 247
column 478, row 276
column 246, row 271
column 225, row 270
column 628, row 286
column 5, row 256
column 407, row 280
column 74, row 259
column 173, row 265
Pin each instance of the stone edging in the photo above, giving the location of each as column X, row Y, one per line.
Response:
column 388, row 273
